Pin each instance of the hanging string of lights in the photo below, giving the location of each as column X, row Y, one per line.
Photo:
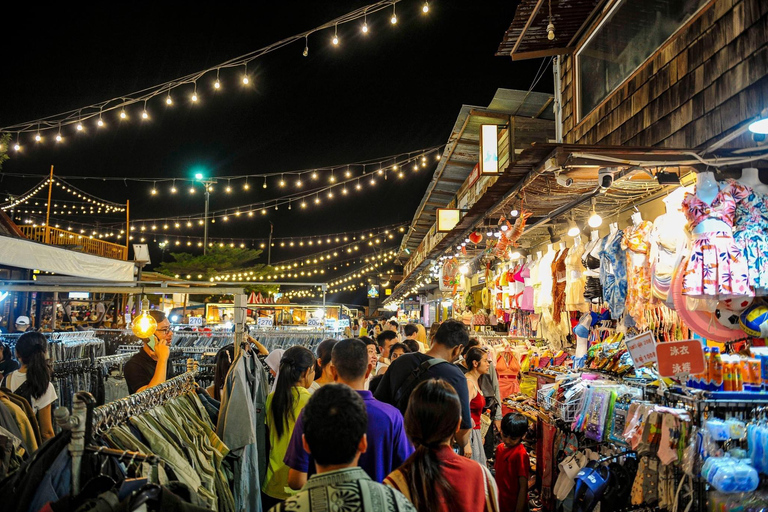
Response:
column 340, row 188
column 96, row 113
column 108, row 206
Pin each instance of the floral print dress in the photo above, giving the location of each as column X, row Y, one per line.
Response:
column 637, row 243
column 716, row 266
column 750, row 230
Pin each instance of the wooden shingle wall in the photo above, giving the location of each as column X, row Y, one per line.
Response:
column 712, row 76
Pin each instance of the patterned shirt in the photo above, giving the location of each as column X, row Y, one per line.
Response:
column 345, row 490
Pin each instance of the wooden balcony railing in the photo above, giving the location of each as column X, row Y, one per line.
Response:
column 75, row 242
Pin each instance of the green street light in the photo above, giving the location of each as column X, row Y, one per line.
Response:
column 198, row 176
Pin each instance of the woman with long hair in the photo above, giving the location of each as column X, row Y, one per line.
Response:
column 477, row 362
column 296, row 373
column 33, row 380
column 435, row 478
column 323, row 374
column 432, row 331
column 222, row 363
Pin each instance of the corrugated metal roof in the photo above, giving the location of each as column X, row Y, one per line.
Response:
column 526, row 37
column 462, row 151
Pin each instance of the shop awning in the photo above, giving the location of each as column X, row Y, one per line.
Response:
column 530, row 183
column 30, row 255
column 527, row 37
column 462, row 152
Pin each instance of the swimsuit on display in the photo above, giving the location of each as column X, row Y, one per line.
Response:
column 507, row 369
column 544, row 299
column 558, row 284
column 750, row 230
column 637, row 243
column 593, row 290
column 668, row 237
column 613, row 274
column 716, row 266
column 574, row 280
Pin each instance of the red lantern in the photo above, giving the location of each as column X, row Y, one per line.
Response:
column 476, row 237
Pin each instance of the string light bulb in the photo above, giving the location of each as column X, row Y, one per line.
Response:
column 79, row 126
column 168, row 100
column 282, row 181
column 100, row 122
column 393, row 19
column 299, row 183
column 425, row 8
column 265, row 182
column 365, row 24
column 246, row 186
column 332, row 179
column 123, row 115
column 194, row 94
column 59, row 138
column 335, row 39
column 305, row 53
column 246, row 80
column 217, row 83
column 314, row 175
column 145, row 115
column 595, row 220
column 154, row 189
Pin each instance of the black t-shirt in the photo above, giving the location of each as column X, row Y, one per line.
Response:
column 8, row 365
column 139, row 371
column 404, row 365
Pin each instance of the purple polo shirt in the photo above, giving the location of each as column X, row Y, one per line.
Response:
column 388, row 446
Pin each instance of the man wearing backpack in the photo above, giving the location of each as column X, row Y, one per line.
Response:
column 408, row 370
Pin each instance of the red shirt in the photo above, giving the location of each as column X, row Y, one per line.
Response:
column 511, row 464
column 464, row 475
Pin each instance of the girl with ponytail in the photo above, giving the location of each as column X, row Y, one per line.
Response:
column 296, row 374
column 435, row 478
column 33, row 380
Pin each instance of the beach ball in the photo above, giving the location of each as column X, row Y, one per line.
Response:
column 753, row 318
column 738, row 304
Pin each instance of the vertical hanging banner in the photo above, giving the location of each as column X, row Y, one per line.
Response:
column 642, row 348
column 680, row 358
column 489, row 149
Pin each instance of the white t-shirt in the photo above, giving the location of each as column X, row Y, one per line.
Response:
column 16, row 379
column 313, row 387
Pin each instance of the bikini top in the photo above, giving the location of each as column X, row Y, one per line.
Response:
column 751, row 208
column 722, row 207
column 636, row 239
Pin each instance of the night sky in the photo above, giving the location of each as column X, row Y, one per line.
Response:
column 396, row 90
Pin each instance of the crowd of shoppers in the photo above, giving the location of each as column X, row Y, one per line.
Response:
column 390, row 424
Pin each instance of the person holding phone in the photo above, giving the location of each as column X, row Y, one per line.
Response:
column 149, row 367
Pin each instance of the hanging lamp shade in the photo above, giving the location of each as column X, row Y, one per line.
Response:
column 144, row 325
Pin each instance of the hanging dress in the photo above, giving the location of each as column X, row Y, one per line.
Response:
column 750, row 230
column 636, row 242
column 593, row 290
column 613, row 274
column 558, row 285
column 716, row 267
column 507, row 369
column 575, row 280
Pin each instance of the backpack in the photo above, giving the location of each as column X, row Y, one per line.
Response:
column 23, row 391
column 404, row 392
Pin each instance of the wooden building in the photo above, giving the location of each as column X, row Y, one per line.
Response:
column 669, row 73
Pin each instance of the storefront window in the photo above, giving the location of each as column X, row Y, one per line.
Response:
column 630, row 34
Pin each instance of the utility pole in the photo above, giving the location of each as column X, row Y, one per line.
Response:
column 269, row 244
column 207, row 182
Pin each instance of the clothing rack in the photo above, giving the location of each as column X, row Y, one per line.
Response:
column 120, row 411
column 63, row 346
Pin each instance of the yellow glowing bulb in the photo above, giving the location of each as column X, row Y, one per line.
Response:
column 79, row 127
column 145, row 115
column 58, row 137
column 100, row 123
column 144, row 325
column 335, row 40
column 38, row 138
column 168, row 100
column 194, row 96
column 217, row 84
column 123, row 115
column 16, row 147
column 425, row 8
column 245, row 80
column 393, row 19
column 365, row 28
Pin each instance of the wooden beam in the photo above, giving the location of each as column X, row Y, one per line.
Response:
column 543, row 53
column 547, row 104
column 528, row 24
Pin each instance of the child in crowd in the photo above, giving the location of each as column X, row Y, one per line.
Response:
column 512, row 465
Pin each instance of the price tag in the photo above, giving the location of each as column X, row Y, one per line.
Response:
column 195, row 320
column 344, row 322
column 642, row 348
column 314, row 322
column 680, row 358
column 265, row 321
column 331, row 323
